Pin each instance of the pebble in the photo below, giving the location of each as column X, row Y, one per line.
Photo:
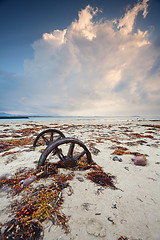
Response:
column 139, row 160
column 115, row 158
column 28, row 181
column 80, row 179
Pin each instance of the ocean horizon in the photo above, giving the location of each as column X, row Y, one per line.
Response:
column 77, row 118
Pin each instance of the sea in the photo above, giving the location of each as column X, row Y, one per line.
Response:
column 80, row 118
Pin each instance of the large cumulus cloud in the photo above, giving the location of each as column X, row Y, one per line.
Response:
column 93, row 68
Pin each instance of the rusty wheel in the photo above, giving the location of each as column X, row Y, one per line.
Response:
column 66, row 150
column 48, row 136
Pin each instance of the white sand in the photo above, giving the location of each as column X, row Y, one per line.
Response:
column 133, row 211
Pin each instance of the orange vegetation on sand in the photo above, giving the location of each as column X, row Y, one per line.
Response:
column 137, row 135
column 122, row 150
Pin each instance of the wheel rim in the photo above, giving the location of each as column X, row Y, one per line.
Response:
column 66, row 150
column 48, row 136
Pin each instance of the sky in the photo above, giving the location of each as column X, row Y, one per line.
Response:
column 91, row 58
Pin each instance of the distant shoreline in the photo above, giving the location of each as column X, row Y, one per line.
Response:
column 14, row 117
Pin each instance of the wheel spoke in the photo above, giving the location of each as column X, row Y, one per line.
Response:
column 79, row 155
column 70, row 151
column 51, row 137
column 45, row 139
column 60, row 154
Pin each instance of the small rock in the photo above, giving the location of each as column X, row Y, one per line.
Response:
column 115, row 158
column 114, row 206
column 28, row 181
column 17, row 136
column 94, row 150
column 80, row 179
column 98, row 213
column 139, row 160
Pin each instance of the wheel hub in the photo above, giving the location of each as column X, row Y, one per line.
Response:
column 69, row 163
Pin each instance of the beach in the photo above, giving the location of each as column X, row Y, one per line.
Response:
column 130, row 211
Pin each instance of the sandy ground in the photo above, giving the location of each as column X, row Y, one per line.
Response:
column 94, row 212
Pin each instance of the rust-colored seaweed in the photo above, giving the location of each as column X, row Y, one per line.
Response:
column 101, row 178
column 45, row 202
column 137, row 135
column 40, row 204
column 122, row 150
column 23, row 230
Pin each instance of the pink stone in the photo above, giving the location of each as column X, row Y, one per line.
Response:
column 139, row 160
column 29, row 180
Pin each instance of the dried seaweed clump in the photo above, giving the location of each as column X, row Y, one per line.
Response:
column 45, row 202
column 16, row 182
column 40, row 204
column 22, row 179
column 23, row 230
column 123, row 150
column 101, row 178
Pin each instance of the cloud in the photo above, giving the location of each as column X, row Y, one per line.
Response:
column 93, row 68
column 126, row 23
